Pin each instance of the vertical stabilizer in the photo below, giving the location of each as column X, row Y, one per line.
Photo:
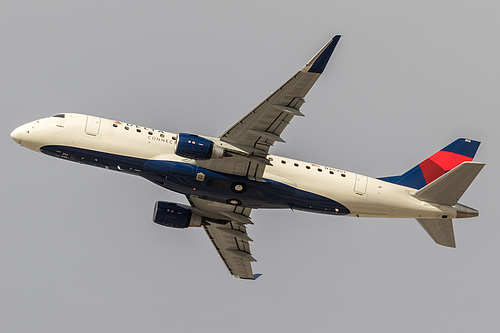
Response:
column 457, row 152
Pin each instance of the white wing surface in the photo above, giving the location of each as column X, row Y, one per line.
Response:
column 225, row 225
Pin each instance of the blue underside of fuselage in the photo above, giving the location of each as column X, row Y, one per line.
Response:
column 190, row 179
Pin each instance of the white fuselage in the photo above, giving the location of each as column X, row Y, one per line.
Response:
column 119, row 142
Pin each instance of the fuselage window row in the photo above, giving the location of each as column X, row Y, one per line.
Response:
column 139, row 130
column 270, row 159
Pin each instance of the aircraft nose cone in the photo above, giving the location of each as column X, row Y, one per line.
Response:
column 17, row 134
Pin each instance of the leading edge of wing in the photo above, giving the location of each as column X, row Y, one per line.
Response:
column 318, row 63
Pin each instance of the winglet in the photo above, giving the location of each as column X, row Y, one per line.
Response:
column 256, row 276
column 318, row 63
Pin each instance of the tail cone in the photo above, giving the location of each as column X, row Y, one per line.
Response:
column 464, row 211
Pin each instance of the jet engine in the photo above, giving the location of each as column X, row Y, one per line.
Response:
column 174, row 215
column 196, row 147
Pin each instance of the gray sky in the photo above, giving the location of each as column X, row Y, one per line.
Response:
column 78, row 249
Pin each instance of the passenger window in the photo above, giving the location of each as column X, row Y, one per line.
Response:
column 296, row 164
column 282, row 161
column 320, row 170
column 115, row 125
column 308, row 167
column 138, row 130
column 60, row 115
column 331, row 172
column 127, row 128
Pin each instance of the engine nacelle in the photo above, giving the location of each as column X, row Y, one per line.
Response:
column 174, row 215
column 196, row 147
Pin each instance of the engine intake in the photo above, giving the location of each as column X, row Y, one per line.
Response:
column 196, row 147
column 173, row 215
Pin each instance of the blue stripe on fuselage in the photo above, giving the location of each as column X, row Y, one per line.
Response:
column 182, row 178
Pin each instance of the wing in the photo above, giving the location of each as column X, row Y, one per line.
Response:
column 248, row 141
column 262, row 126
column 225, row 225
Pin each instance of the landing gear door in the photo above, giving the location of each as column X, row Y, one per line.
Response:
column 93, row 125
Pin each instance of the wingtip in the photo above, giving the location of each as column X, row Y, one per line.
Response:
column 318, row 63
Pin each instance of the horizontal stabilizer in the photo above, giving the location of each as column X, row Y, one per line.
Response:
column 449, row 188
column 440, row 230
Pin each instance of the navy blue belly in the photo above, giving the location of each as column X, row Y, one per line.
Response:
column 190, row 179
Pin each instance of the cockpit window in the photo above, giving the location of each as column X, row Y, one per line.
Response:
column 60, row 115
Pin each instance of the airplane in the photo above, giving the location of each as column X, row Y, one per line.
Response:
column 225, row 177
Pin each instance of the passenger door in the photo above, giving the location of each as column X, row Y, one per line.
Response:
column 93, row 125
